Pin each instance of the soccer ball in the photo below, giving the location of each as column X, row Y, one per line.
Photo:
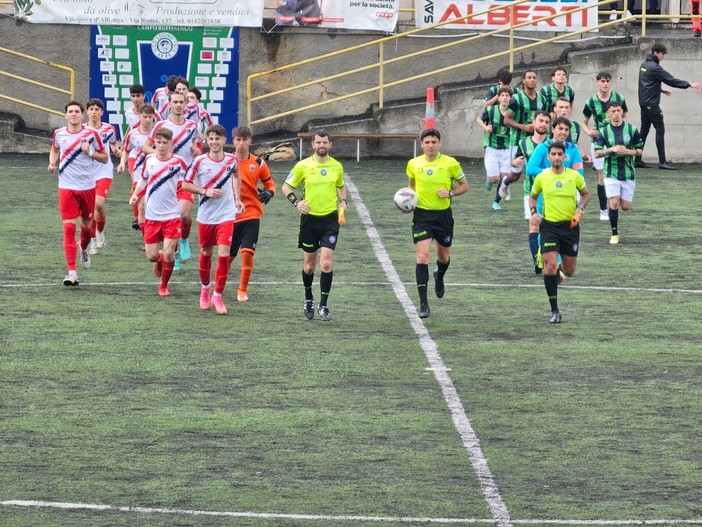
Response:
column 406, row 199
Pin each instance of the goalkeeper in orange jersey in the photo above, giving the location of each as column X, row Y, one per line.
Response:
column 560, row 224
column 252, row 170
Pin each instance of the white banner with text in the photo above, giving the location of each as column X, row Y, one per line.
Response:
column 378, row 15
column 230, row 13
column 430, row 12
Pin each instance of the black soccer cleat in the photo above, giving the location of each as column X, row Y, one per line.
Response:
column 439, row 288
column 135, row 225
column 424, row 311
column 309, row 309
column 555, row 317
column 324, row 313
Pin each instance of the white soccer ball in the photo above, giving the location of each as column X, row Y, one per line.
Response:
column 406, row 199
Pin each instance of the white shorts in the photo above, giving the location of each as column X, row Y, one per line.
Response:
column 620, row 189
column 597, row 162
column 512, row 154
column 527, row 209
column 497, row 162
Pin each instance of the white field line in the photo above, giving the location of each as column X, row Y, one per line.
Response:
column 330, row 518
column 498, row 508
column 339, row 282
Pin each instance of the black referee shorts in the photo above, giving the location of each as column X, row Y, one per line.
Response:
column 558, row 236
column 318, row 231
column 433, row 224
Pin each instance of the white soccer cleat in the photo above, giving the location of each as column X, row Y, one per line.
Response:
column 100, row 238
column 604, row 215
column 503, row 191
column 93, row 248
column 85, row 257
column 71, row 279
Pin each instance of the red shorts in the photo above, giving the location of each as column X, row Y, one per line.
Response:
column 130, row 164
column 102, row 187
column 219, row 234
column 141, row 194
column 184, row 194
column 76, row 203
column 156, row 231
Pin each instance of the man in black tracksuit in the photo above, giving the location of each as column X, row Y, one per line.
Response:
column 651, row 75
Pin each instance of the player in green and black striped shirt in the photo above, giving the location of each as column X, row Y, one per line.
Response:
column 563, row 109
column 523, row 107
column 619, row 142
column 596, row 107
column 557, row 89
column 497, row 150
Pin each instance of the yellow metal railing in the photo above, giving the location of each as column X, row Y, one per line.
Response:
column 70, row 91
column 379, row 67
column 381, row 63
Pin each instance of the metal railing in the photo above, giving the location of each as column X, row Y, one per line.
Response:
column 381, row 85
column 70, row 91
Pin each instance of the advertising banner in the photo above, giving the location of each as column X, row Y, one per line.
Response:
column 207, row 57
column 378, row 15
column 237, row 13
column 430, row 12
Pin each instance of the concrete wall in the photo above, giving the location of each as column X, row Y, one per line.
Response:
column 261, row 51
column 64, row 45
column 458, row 108
column 459, row 93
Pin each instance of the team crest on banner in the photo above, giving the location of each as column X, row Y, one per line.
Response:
column 208, row 57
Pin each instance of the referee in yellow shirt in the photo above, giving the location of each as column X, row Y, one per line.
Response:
column 322, row 180
column 437, row 179
column 560, row 221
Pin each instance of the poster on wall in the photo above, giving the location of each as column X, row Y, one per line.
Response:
column 142, row 12
column 207, row 57
column 378, row 15
column 430, row 12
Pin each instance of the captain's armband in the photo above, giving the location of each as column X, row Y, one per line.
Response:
column 292, row 198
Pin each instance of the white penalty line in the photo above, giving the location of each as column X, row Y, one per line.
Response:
column 341, row 282
column 327, row 518
column 471, row 443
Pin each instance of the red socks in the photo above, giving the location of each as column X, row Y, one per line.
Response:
column 205, row 269
column 221, row 273
column 166, row 272
column 69, row 245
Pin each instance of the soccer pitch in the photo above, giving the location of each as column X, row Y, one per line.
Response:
column 119, row 408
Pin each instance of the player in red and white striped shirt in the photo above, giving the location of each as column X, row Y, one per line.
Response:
column 160, row 175
column 131, row 116
column 160, row 98
column 103, row 172
column 185, row 145
column 133, row 158
column 215, row 178
column 204, row 119
column 74, row 149
column 192, row 109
